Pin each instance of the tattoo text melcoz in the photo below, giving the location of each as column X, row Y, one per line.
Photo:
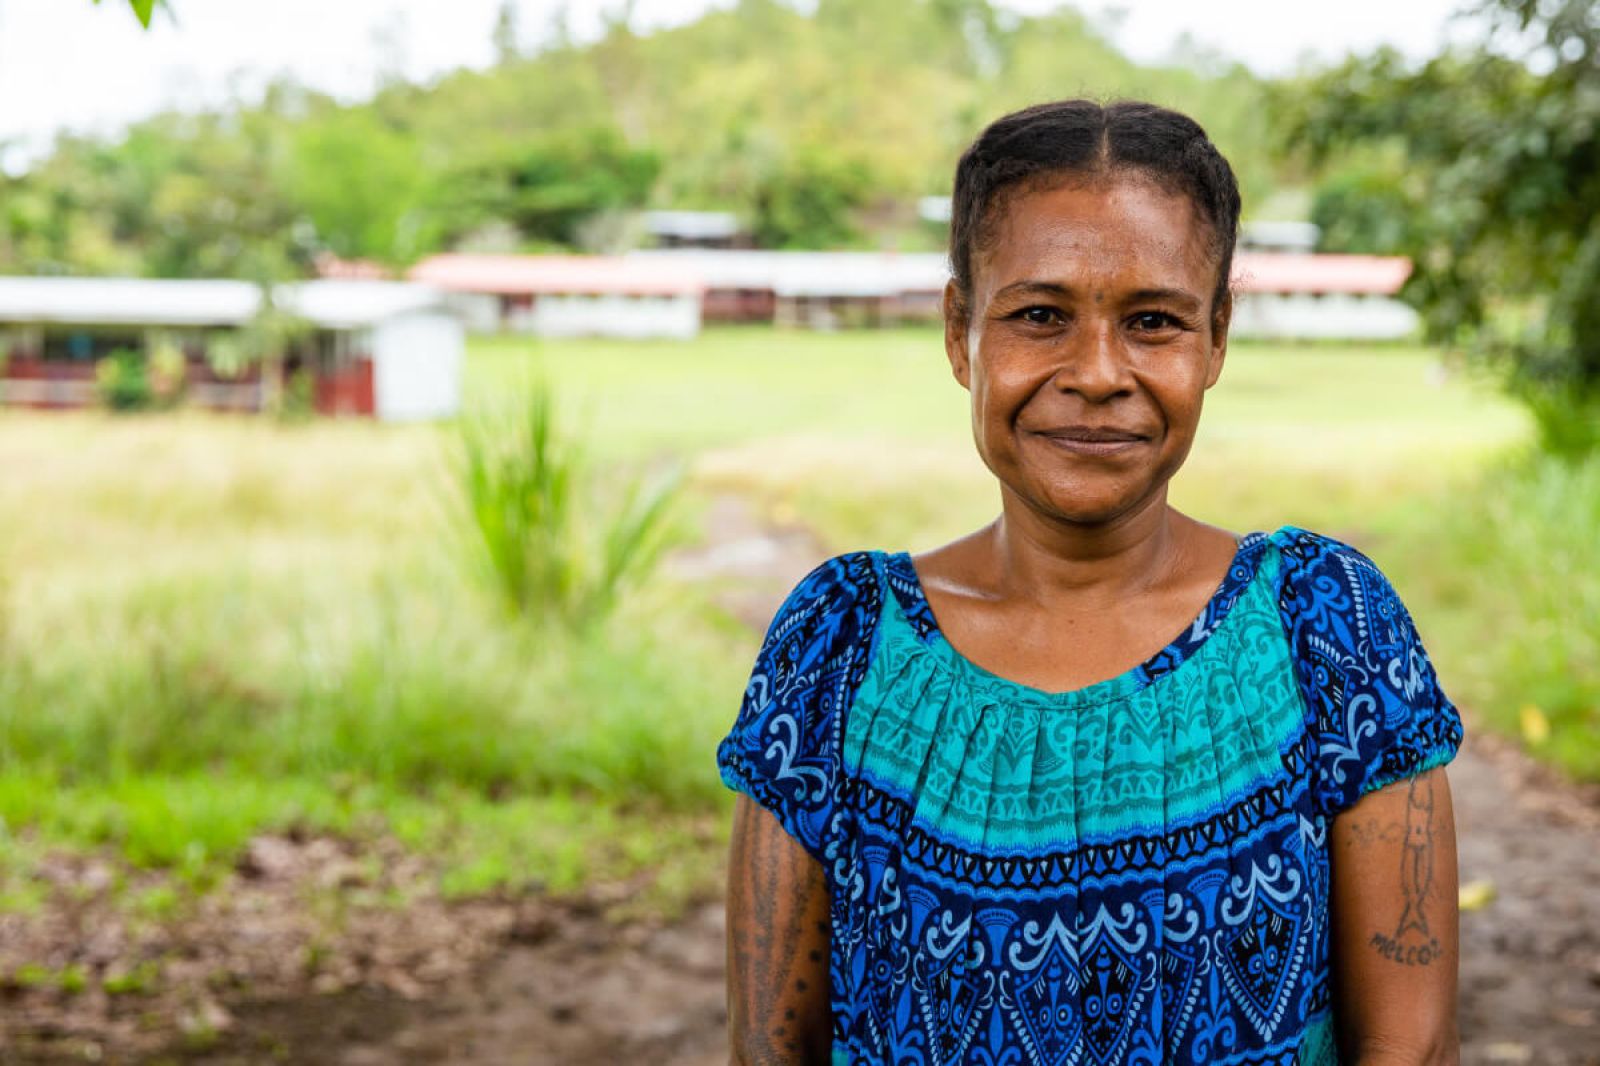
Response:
column 1406, row 955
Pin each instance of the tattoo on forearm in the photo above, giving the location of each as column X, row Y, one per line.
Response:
column 1412, row 943
column 773, row 949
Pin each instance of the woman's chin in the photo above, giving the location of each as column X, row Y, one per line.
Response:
column 1089, row 505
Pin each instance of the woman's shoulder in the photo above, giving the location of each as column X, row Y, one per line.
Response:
column 1323, row 576
column 784, row 747
column 844, row 584
column 830, row 612
column 1379, row 713
column 1308, row 549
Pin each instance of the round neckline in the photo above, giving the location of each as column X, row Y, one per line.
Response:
column 913, row 601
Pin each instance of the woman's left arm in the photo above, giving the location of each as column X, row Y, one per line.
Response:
column 1394, row 914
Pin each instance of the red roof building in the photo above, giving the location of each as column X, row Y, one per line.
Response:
column 568, row 295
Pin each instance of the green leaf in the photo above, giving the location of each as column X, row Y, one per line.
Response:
column 142, row 10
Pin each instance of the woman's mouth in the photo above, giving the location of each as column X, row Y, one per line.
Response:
column 1093, row 440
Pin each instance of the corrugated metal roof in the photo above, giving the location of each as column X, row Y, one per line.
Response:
column 174, row 302
column 349, row 303
column 1306, row 273
column 517, row 275
column 815, row 274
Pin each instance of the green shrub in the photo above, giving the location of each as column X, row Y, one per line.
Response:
column 554, row 546
column 1568, row 421
column 123, row 381
column 299, row 401
column 1507, row 577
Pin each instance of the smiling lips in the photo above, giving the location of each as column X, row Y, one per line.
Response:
column 1093, row 440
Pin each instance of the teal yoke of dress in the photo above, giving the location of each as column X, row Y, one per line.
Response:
column 1131, row 872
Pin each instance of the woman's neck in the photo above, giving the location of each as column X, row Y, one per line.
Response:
column 1035, row 557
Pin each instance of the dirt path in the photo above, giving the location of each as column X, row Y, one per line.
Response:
column 589, row 995
column 1530, row 980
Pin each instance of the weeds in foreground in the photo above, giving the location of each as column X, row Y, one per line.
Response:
column 554, row 546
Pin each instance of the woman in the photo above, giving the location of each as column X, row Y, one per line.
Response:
column 995, row 811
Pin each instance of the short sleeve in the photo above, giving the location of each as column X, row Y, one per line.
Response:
column 785, row 747
column 1377, row 714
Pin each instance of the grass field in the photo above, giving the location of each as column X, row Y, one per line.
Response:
column 213, row 626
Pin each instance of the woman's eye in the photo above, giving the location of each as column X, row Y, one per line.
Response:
column 1153, row 321
column 1039, row 316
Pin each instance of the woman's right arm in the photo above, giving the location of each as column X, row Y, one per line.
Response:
column 778, row 941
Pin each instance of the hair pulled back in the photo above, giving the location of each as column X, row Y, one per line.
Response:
column 1070, row 139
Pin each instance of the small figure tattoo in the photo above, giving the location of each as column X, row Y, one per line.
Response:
column 1416, row 882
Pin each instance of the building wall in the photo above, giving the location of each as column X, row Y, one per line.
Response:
column 738, row 305
column 480, row 312
column 1335, row 316
column 674, row 317
column 855, row 312
column 417, row 365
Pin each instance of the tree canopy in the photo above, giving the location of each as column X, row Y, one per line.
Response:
column 818, row 128
column 1483, row 164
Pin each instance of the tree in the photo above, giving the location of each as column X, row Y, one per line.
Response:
column 809, row 200
column 1497, row 198
column 360, row 183
column 548, row 186
column 817, row 124
column 507, row 46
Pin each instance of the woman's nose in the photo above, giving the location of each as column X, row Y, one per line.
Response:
column 1095, row 365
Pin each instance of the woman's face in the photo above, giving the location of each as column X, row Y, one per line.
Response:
column 1089, row 343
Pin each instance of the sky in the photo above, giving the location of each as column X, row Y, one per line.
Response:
column 69, row 65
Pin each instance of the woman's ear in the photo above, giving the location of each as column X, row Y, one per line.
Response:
column 1221, row 319
column 956, row 323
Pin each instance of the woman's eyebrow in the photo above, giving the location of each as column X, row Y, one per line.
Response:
column 1034, row 288
column 1181, row 298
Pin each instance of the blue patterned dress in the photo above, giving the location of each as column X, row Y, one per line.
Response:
column 1131, row 872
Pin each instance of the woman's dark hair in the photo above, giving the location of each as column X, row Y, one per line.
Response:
column 1080, row 138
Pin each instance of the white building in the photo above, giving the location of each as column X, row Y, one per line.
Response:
column 568, row 296
column 1288, row 296
column 694, row 229
column 819, row 290
column 385, row 349
column 1274, row 236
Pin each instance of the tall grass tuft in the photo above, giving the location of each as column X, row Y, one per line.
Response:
column 555, row 548
column 1509, row 573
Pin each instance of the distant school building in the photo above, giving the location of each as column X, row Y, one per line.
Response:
column 812, row 290
column 568, row 295
column 382, row 349
column 695, row 229
column 1305, row 296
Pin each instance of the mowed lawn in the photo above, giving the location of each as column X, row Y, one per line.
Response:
column 211, row 626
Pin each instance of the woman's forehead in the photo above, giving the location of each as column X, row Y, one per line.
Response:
column 1106, row 233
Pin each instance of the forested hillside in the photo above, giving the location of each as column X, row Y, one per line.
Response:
column 819, row 129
